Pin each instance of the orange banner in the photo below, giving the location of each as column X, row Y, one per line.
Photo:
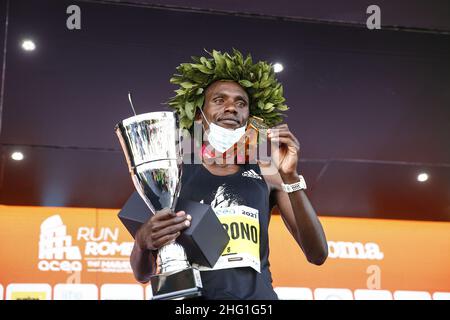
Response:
column 373, row 254
column 73, row 253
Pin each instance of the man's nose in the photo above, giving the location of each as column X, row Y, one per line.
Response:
column 230, row 107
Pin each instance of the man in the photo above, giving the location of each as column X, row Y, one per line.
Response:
column 220, row 100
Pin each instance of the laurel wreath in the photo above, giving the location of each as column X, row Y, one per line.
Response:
column 258, row 79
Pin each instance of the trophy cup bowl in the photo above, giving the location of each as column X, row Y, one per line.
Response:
column 151, row 143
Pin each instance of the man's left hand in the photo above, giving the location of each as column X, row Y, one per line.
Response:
column 285, row 150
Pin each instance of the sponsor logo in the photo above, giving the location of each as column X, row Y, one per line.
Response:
column 65, row 291
column 366, row 294
column 332, row 294
column 441, row 296
column 101, row 252
column 292, row 293
column 121, row 292
column 354, row 250
column 29, row 291
column 56, row 252
column 411, row 295
column 299, row 293
column 251, row 174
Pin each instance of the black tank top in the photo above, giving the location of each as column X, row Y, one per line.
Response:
column 246, row 187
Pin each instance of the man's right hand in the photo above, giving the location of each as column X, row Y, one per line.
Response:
column 162, row 228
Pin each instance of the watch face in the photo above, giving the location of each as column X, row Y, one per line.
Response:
column 294, row 186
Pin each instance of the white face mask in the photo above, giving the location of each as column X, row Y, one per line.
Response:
column 221, row 138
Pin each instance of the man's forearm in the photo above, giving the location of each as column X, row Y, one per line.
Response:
column 143, row 263
column 310, row 235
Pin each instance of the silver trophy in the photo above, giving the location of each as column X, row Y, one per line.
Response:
column 151, row 143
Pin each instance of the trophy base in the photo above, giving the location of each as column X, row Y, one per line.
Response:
column 182, row 284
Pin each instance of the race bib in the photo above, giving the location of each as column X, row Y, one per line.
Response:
column 242, row 225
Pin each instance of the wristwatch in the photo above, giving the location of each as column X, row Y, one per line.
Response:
column 301, row 185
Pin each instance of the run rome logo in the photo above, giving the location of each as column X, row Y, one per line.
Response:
column 56, row 252
column 99, row 248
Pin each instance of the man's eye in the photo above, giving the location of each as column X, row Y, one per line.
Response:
column 241, row 104
column 218, row 100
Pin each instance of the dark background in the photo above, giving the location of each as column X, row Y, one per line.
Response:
column 371, row 108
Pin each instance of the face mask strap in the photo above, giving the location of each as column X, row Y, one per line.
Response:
column 204, row 118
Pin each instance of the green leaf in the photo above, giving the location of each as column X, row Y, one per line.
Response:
column 189, row 108
column 175, row 80
column 278, row 100
column 265, row 84
column 230, row 64
column 258, row 94
column 196, row 59
column 245, row 83
column 202, row 68
column 199, row 102
column 218, row 58
column 267, row 92
column 186, row 85
column 185, row 123
column 248, row 61
column 206, row 70
column 261, row 105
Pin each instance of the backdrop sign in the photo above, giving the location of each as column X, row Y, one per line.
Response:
column 73, row 253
